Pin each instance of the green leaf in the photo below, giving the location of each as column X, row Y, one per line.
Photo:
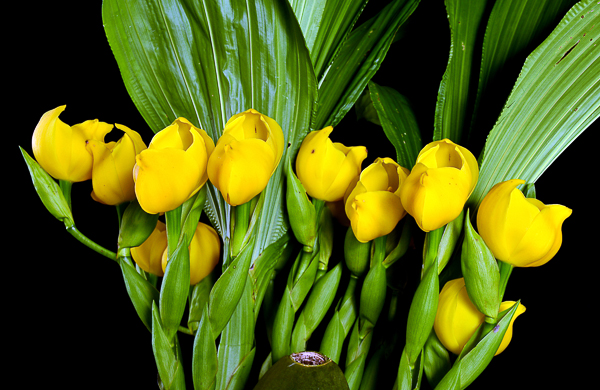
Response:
column 476, row 360
column 513, row 26
column 141, row 292
column 325, row 24
column 436, row 359
column 451, row 111
column 421, row 315
column 48, row 191
column 136, row 226
column 481, row 273
column 204, row 358
column 555, row 98
column 398, row 122
column 169, row 366
column 357, row 61
column 175, row 289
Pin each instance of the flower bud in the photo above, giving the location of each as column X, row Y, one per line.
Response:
column 149, row 255
column 326, row 169
column 439, row 184
column 520, row 231
column 245, row 156
column 457, row 318
column 373, row 205
column 173, row 168
column 112, row 169
column 205, row 251
column 61, row 149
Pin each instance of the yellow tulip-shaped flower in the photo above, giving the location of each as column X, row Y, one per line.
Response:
column 373, row 205
column 61, row 149
column 149, row 255
column 326, row 169
column 245, row 156
column 439, row 184
column 457, row 318
column 205, row 251
column 173, row 168
column 520, row 231
column 112, row 172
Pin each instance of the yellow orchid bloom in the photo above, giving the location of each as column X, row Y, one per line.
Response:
column 325, row 168
column 457, row 318
column 520, row 231
column 149, row 255
column 173, row 168
column 112, row 171
column 373, row 204
column 205, row 251
column 245, row 157
column 61, row 149
column 439, row 184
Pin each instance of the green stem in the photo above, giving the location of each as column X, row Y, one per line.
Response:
column 65, row 187
column 241, row 215
column 505, row 271
column 185, row 330
column 378, row 248
column 91, row 244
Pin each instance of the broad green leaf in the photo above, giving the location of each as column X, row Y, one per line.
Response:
column 451, row 111
column 398, row 122
column 325, row 24
column 556, row 97
column 141, row 292
column 513, row 26
column 357, row 61
column 207, row 60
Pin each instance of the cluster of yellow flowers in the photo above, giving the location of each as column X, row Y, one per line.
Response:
column 520, row 231
column 181, row 158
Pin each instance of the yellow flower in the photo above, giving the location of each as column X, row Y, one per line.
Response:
column 520, row 231
column 60, row 148
column 245, row 156
column 173, row 168
column 205, row 251
column 439, row 184
column 112, row 171
column 149, row 255
column 373, row 205
column 457, row 318
column 326, row 169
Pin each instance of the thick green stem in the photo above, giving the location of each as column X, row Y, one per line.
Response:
column 65, row 187
column 91, row 244
column 505, row 271
column 241, row 215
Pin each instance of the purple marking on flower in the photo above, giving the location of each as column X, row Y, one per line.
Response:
column 496, row 328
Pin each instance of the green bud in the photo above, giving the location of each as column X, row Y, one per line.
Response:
column 357, row 254
column 372, row 295
column 481, row 273
column 136, row 226
column 49, row 191
column 301, row 212
column 450, row 237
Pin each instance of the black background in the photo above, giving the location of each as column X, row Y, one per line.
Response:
column 69, row 320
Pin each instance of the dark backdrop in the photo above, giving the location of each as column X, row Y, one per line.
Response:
column 70, row 321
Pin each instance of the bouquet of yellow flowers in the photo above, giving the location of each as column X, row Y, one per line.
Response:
column 306, row 198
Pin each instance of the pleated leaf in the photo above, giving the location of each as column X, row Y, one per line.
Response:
column 513, row 26
column 451, row 111
column 556, row 97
